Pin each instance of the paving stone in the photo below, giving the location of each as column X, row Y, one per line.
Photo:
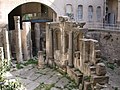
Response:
column 31, row 77
column 51, row 72
column 32, row 85
column 54, row 88
column 28, row 73
column 66, row 89
column 42, row 78
column 24, row 81
column 62, row 82
column 53, row 79
column 44, row 71
column 34, row 76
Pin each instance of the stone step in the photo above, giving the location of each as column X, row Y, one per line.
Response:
column 98, row 53
column 99, row 79
column 97, row 46
column 98, row 60
column 75, row 75
column 92, row 69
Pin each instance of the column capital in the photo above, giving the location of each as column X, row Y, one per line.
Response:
column 17, row 19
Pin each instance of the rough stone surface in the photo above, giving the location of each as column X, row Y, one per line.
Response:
column 100, row 69
column 42, row 79
column 99, row 79
column 109, row 43
column 87, row 85
column 62, row 82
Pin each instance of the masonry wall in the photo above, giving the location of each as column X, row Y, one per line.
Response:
column 109, row 42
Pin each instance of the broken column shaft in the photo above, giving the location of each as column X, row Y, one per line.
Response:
column 18, row 39
column 70, row 58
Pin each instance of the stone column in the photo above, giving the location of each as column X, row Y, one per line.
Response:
column 1, row 54
column 6, row 45
column 118, row 18
column 92, row 57
column 63, row 37
column 84, row 53
column 26, row 40
column 47, row 42
column 37, row 36
column 18, row 39
column 63, row 43
column 70, row 50
column 51, row 49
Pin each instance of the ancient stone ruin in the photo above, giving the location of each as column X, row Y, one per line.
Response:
column 68, row 49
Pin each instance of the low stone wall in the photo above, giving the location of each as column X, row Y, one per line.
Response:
column 109, row 42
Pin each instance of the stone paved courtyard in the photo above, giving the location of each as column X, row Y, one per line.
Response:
column 33, row 78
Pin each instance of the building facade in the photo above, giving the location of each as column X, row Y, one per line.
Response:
column 80, row 10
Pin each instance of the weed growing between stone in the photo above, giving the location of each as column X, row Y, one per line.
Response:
column 7, row 84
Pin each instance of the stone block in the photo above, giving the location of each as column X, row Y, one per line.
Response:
column 100, row 69
column 87, row 85
column 40, row 59
column 99, row 87
column 92, row 69
column 117, row 62
column 78, row 77
column 87, row 69
column 98, row 53
column 99, row 79
column 75, row 75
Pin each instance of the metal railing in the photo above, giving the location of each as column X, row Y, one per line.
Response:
column 103, row 26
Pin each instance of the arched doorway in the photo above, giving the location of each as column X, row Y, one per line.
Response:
column 33, row 18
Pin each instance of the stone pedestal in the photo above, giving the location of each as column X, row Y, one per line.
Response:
column 18, row 39
column 70, row 50
column 41, row 62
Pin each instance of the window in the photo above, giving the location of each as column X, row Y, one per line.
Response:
column 98, row 13
column 69, row 8
column 90, row 13
column 69, row 11
column 80, row 12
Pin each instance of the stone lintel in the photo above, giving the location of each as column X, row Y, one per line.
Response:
column 89, row 40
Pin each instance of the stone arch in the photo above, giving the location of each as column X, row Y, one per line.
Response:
column 48, row 3
column 57, row 39
column 18, row 11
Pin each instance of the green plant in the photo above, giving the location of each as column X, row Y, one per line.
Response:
column 6, row 84
column 19, row 66
column 31, row 61
column 87, row 78
column 110, row 65
column 11, row 85
column 45, row 86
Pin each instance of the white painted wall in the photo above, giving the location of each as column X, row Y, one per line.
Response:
column 6, row 6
